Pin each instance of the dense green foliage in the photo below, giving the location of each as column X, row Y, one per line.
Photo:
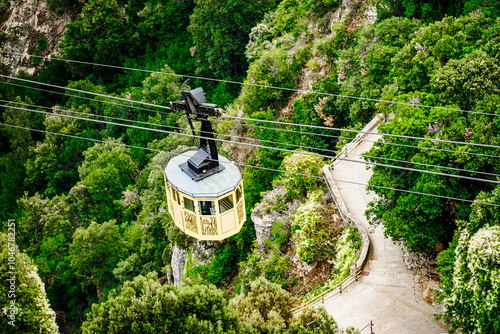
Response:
column 93, row 218
column 220, row 32
column 25, row 307
column 470, row 267
column 313, row 234
column 433, row 219
column 144, row 305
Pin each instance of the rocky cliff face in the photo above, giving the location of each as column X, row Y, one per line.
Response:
column 30, row 27
column 268, row 212
column 178, row 263
column 200, row 253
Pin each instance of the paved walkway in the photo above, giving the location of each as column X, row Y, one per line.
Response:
column 387, row 295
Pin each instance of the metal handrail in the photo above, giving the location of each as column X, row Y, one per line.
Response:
column 320, row 298
column 335, row 201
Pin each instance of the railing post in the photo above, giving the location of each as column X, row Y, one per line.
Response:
column 356, row 269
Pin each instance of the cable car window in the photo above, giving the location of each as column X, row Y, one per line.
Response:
column 188, row 204
column 207, row 208
column 175, row 196
column 238, row 194
column 226, row 203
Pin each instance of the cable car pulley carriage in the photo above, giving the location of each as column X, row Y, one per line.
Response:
column 204, row 189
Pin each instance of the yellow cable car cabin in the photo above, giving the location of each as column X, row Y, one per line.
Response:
column 204, row 189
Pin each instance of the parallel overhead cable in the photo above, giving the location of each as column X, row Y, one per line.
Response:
column 276, row 170
column 261, row 127
column 366, row 132
column 265, row 141
column 259, row 120
column 85, row 92
column 85, row 98
column 250, row 84
column 257, row 146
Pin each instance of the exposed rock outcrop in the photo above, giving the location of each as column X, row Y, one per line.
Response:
column 178, row 263
column 199, row 254
column 423, row 266
column 269, row 211
column 31, row 28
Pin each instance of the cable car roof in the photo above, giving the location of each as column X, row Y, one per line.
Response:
column 213, row 186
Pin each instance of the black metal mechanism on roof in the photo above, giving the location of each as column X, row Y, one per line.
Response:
column 205, row 162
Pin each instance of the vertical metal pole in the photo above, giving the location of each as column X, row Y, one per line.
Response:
column 190, row 109
column 356, row 268
column 371, row 327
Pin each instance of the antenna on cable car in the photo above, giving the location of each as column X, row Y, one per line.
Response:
column 205, row 198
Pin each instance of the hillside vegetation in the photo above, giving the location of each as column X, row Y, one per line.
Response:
column 91, row 215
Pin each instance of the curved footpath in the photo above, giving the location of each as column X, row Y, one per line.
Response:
column 385, row 293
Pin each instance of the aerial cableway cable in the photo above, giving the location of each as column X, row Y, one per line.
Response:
column 274, row 129
column 266, row 121
column 248, row 125
column 268, row 128
column 252, row 84
column 255, row 145
column 368, row 141
column 269, row 169
column 270, row 142
column 368, row 133
column 86, row 98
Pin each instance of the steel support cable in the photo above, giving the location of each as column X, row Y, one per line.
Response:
column 251, row 84
column 260, row 140
column 366, row 140
column 162, row 125
column 169, row 113
column 269, row 128
column 259, row 146
column 273, row 170
column 77, row 137
column 95, row 115
column 85, row 92
column 366, row 132
column 256, row 126
column 260, row 120
column 85, row 98
column 379, row 142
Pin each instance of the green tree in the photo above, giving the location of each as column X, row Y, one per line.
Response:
column 24, row 304
column 16, row 144
column 265, row 303
column 272, row 69
column 102, row 33
column 144, row 305
column 298, row 167
column 105, row 173
column 315, row 235
column 220, row 31
column 468, row 80
column 94, row 253
column 471, row 270
column 431, row 220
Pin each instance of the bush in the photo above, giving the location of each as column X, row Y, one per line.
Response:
column 296, row 184
column 314, row 237
column 272, row 69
